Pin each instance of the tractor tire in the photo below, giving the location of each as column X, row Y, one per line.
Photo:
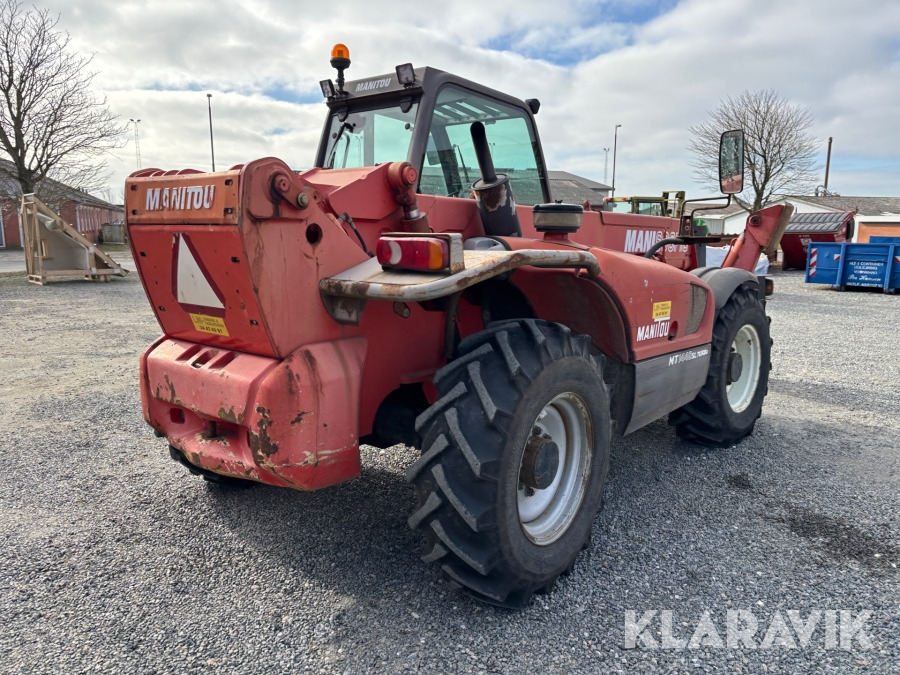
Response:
column 730, row 402
column 515, row 456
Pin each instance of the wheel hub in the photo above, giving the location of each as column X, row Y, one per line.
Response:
column 735, row 367
column 554, row 469
column 540, row 462
column 743, row 369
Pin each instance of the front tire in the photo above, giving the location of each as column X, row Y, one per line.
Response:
column 516, row 451
column 730, row 402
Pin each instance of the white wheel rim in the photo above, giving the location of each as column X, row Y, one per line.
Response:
column 741, row 392
column 546, row 514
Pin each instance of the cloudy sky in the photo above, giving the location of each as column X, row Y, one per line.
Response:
column 654, row 66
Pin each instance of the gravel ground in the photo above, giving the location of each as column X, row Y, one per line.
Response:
column 115, row 559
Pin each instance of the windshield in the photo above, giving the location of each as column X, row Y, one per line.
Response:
column 369, row 137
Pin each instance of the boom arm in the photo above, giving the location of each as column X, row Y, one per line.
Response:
column 762, row 234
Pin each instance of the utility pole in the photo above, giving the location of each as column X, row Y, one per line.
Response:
column 212, row 150
column 137, row 142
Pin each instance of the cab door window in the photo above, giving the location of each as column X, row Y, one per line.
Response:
column 450, row 166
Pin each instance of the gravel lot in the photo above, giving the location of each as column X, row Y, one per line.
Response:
column 115, row 559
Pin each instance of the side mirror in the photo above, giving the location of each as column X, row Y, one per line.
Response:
column 731, row 162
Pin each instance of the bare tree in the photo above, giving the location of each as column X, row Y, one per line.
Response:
column 52, row 126
column 779, row 152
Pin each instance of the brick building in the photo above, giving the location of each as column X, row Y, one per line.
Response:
column 83, row 211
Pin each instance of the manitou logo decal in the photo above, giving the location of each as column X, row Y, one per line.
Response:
column 195, row 197
column 662, row 313
column 640, row 241
column 373, row 84
column 657, row 329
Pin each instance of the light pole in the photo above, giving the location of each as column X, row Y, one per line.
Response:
column 212, row 150
column 137, row 142
column 605, row 164
column 615, row 143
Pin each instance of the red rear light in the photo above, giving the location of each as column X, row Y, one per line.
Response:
column 430, row 254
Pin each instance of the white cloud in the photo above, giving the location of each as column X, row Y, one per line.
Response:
column 157, row 61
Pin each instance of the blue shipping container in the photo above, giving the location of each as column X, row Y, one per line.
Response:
column 874, row 264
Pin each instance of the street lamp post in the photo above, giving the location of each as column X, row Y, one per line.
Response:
column 605, row 164
column 615, row 143
column 137, row 142
column 212, row 150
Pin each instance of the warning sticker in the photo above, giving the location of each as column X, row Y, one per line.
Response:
column 209, row 324
column 662, row 310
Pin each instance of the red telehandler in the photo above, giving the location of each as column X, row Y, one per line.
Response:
column 372, row 299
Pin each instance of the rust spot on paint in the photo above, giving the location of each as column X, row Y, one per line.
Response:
column 313, row 366
column 230, row 416
column 203, row 439
column 173, row 397
column 290, row 382
column 495, row 197
column 261, row 443
column 171, row 386
column 299, row 418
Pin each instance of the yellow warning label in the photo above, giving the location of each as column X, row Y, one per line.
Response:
column 662, row 310
column 209, row 324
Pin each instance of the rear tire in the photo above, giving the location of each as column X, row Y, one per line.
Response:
column 730, row 402
column 516, row 451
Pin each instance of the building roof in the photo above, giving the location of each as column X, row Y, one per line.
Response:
column 829, row 221
column 10, row 189
column 573, row 189
column 866, row 206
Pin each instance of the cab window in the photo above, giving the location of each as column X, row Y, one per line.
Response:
column 450, row 166
column 369, row 137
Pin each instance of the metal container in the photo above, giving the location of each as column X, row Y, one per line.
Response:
column 804, row 228
column 841, row 265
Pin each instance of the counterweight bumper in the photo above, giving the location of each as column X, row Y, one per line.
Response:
column 292, row 422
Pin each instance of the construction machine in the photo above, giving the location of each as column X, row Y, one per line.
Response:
column 420, row 286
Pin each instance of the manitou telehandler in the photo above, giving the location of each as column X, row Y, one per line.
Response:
column 398, row 293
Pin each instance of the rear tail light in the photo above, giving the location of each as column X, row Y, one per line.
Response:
column 424, row 253
column 419, row 253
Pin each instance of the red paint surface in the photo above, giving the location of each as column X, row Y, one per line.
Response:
column 289, row 389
